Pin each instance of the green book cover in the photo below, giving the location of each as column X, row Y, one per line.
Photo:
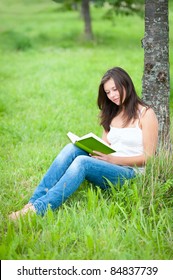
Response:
column 90, row 142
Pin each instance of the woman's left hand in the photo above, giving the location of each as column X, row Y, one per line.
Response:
column 101, row 156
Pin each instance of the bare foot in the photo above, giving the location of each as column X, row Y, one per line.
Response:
column 27, row 208
column 27, row 205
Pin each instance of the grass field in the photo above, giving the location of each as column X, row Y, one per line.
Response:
column 49, row 79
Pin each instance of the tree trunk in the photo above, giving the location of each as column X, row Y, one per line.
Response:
column 156, row 78
column 87, row 19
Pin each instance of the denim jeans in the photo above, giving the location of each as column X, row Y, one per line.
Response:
column 70, row 168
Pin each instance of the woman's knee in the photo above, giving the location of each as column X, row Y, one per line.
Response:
column 73, row 150
column 70, row 146
column 68, row 149
column 81, row 162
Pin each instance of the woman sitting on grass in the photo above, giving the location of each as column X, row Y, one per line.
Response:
column 130, row 127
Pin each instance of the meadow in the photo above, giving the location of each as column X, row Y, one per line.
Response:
column 49, row 77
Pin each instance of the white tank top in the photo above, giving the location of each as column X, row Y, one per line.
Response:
column 127, row 141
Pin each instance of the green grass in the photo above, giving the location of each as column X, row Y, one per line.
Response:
column 49, row 78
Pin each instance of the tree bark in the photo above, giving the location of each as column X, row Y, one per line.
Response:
column 156, row 77
column 87, row 19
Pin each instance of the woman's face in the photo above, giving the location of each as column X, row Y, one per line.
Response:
column 112, row 92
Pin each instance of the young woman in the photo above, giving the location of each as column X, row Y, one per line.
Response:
column 130, row 127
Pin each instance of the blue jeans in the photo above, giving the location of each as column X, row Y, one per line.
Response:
column 70, row 168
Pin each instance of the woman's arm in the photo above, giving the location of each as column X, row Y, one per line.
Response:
column 129, row 161
column 149, row 126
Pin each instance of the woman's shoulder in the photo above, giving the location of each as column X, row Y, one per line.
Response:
column 148, row 114
column 146, row 111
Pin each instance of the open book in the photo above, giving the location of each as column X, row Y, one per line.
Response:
column 90, row 142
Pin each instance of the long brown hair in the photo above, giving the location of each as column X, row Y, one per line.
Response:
column 130, row 105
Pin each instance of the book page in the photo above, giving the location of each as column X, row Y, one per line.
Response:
column 72, row 137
